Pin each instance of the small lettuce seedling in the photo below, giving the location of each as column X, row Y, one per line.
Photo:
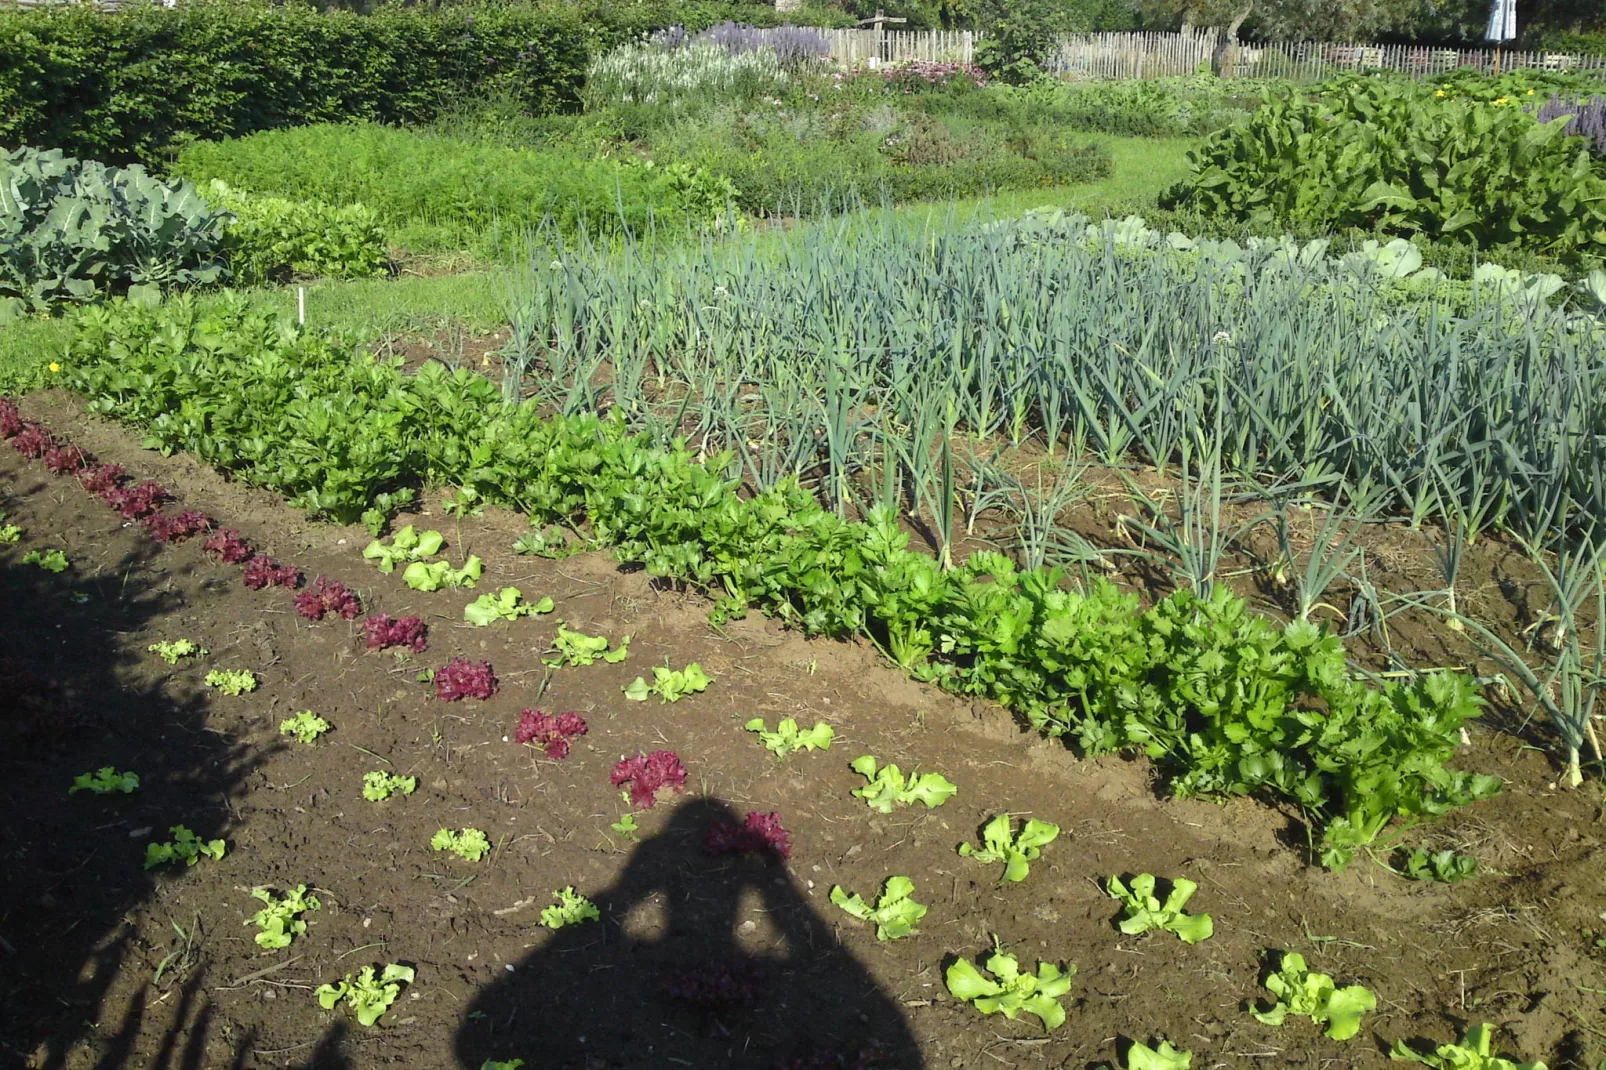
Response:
column 787, row 737
column 277, row 919
column 1163, row 1057
column 506, row 604
column 379, row 785
column 186, row 846
column 1473, row 1053
column 888, row 787
column 1009, row 991
column 305, row 726
column 177, row 650
column 1015, row 852
column 49, row 560
column 1315, row 996
column 10, row 534
column 626, row 826
column 504, row 1064
column 406, row 545
column 670, row 685
column 438, row 574
column 895, row 913
column 105, row 781
column 577, row 648
column 1443, row 867
column 232, row 681
column 468, row 844
column 572, row 908
column 369, row 997
column 1144, row 911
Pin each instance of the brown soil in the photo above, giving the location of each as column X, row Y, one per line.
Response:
column 106, row 965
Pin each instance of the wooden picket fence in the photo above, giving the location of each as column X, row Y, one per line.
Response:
column 871, row 48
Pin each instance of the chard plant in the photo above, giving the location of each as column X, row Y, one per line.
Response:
column 889, row 788
column 571, row 908
column 176, row 650
column 405, row 546
column 1009, row 991
column 368, row 996
column 1443, row 867
column 49, row 560
column 232, row 681
column 895, row 913
column 1016, row 850
column 1145, row 911
column 378, row 785
column 105, row 781
column 670, row 685
column 506, row 604
column 577, row 648
column 1474, row 1052
column 788, row 737
column 1160, row 1057
column 469, row 844
column 306, row 726
column 185, row 847
column 1317, row 997
column 279, row 919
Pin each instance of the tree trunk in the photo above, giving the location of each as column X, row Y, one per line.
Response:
column 1227, row 40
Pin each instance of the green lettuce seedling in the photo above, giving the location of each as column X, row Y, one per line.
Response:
column 177, row 650
column 369, row 997
column 1144, row 911
column 670, row 685
column 186, row 846
column 438, row 574
column 379, row 785
column 105, row 781
column 894, row 914
column 1444, row 867
column 277, row 919
column 10, row 534
column 506, row 604
column 468, row 844
column 305, row 726
column 572, row 908
column 1009, row 992
column 406, row 545
column 1315, row 996
column 787, row 737
column 1473, row 1053
column 49, row 560
column 1164, row 1057
column 577, row 648
column 232, row 681
column 888, row 787
column 1015, row 852
column 505, row 1064
column 626, row 826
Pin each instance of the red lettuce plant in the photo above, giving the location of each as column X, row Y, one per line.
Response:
column 263, row 571
column 713, row 986
column 137, row 501
column 164, row 527
column 66, row 460
column 461, row 678
column 552, row 733
column 762, row 835
column 328, row 596
column 32, row 441
column 647, row 773
column 10, row 419
column 102, row 480
column 228, row 547
column 871, row 1058
column 383, row 631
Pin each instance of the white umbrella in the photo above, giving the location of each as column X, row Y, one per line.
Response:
column 1502, row 21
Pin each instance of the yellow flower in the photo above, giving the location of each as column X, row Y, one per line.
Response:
column 54, row 367
column 1440, row 93
column 1502, row 100
column 1530, row 92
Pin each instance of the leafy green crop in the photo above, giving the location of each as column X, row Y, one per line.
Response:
column 1163, row 1057
column 177, row 650
column 105, row 781
column 506, row 604
column 787, row 737
column 369, row 997
column 1445, row 867
column 468, row 844
column 274, row 239
column 232, row 681
column 888, row 788
column 1016, row 851
column 378, row 785
column 434, row 575
column 1144, row 911
column 406, row 545
column 670, row 685
column 572, row 908
column 49, row 560
column 1315, row 995
column 626, row 827
column 895, row 913
column 10, row 534
column 1473, row 1053
column 305, row 726
column 502, row 1064
column 577, row 648
column 185, row 847
column 277, row 919
column 1009, row 991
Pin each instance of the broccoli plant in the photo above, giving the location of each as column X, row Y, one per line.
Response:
column 105, row 781
column 368, row 996
column 787, row 737
column 378, row 786
column 506, row 604
column 1009, row 991
column 1315, row 996
column 572, row 908
column 888, row 787
column 305, row 726
column 1144, row 911
column 232, row 681
column 1161, row 1057
column 1017, row 852
column 278, row 918
column 1444, row 867
column 177, row 650
column 895, row 913
column 185, row 846
column 1473, row 1053
column 670, row 685
column 406, row 545
column 468, row 844
column 49, row 560
column 577, row 648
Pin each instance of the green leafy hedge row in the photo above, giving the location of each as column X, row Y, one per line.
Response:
column 1227, row 702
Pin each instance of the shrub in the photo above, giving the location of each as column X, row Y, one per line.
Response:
column 273, row 239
